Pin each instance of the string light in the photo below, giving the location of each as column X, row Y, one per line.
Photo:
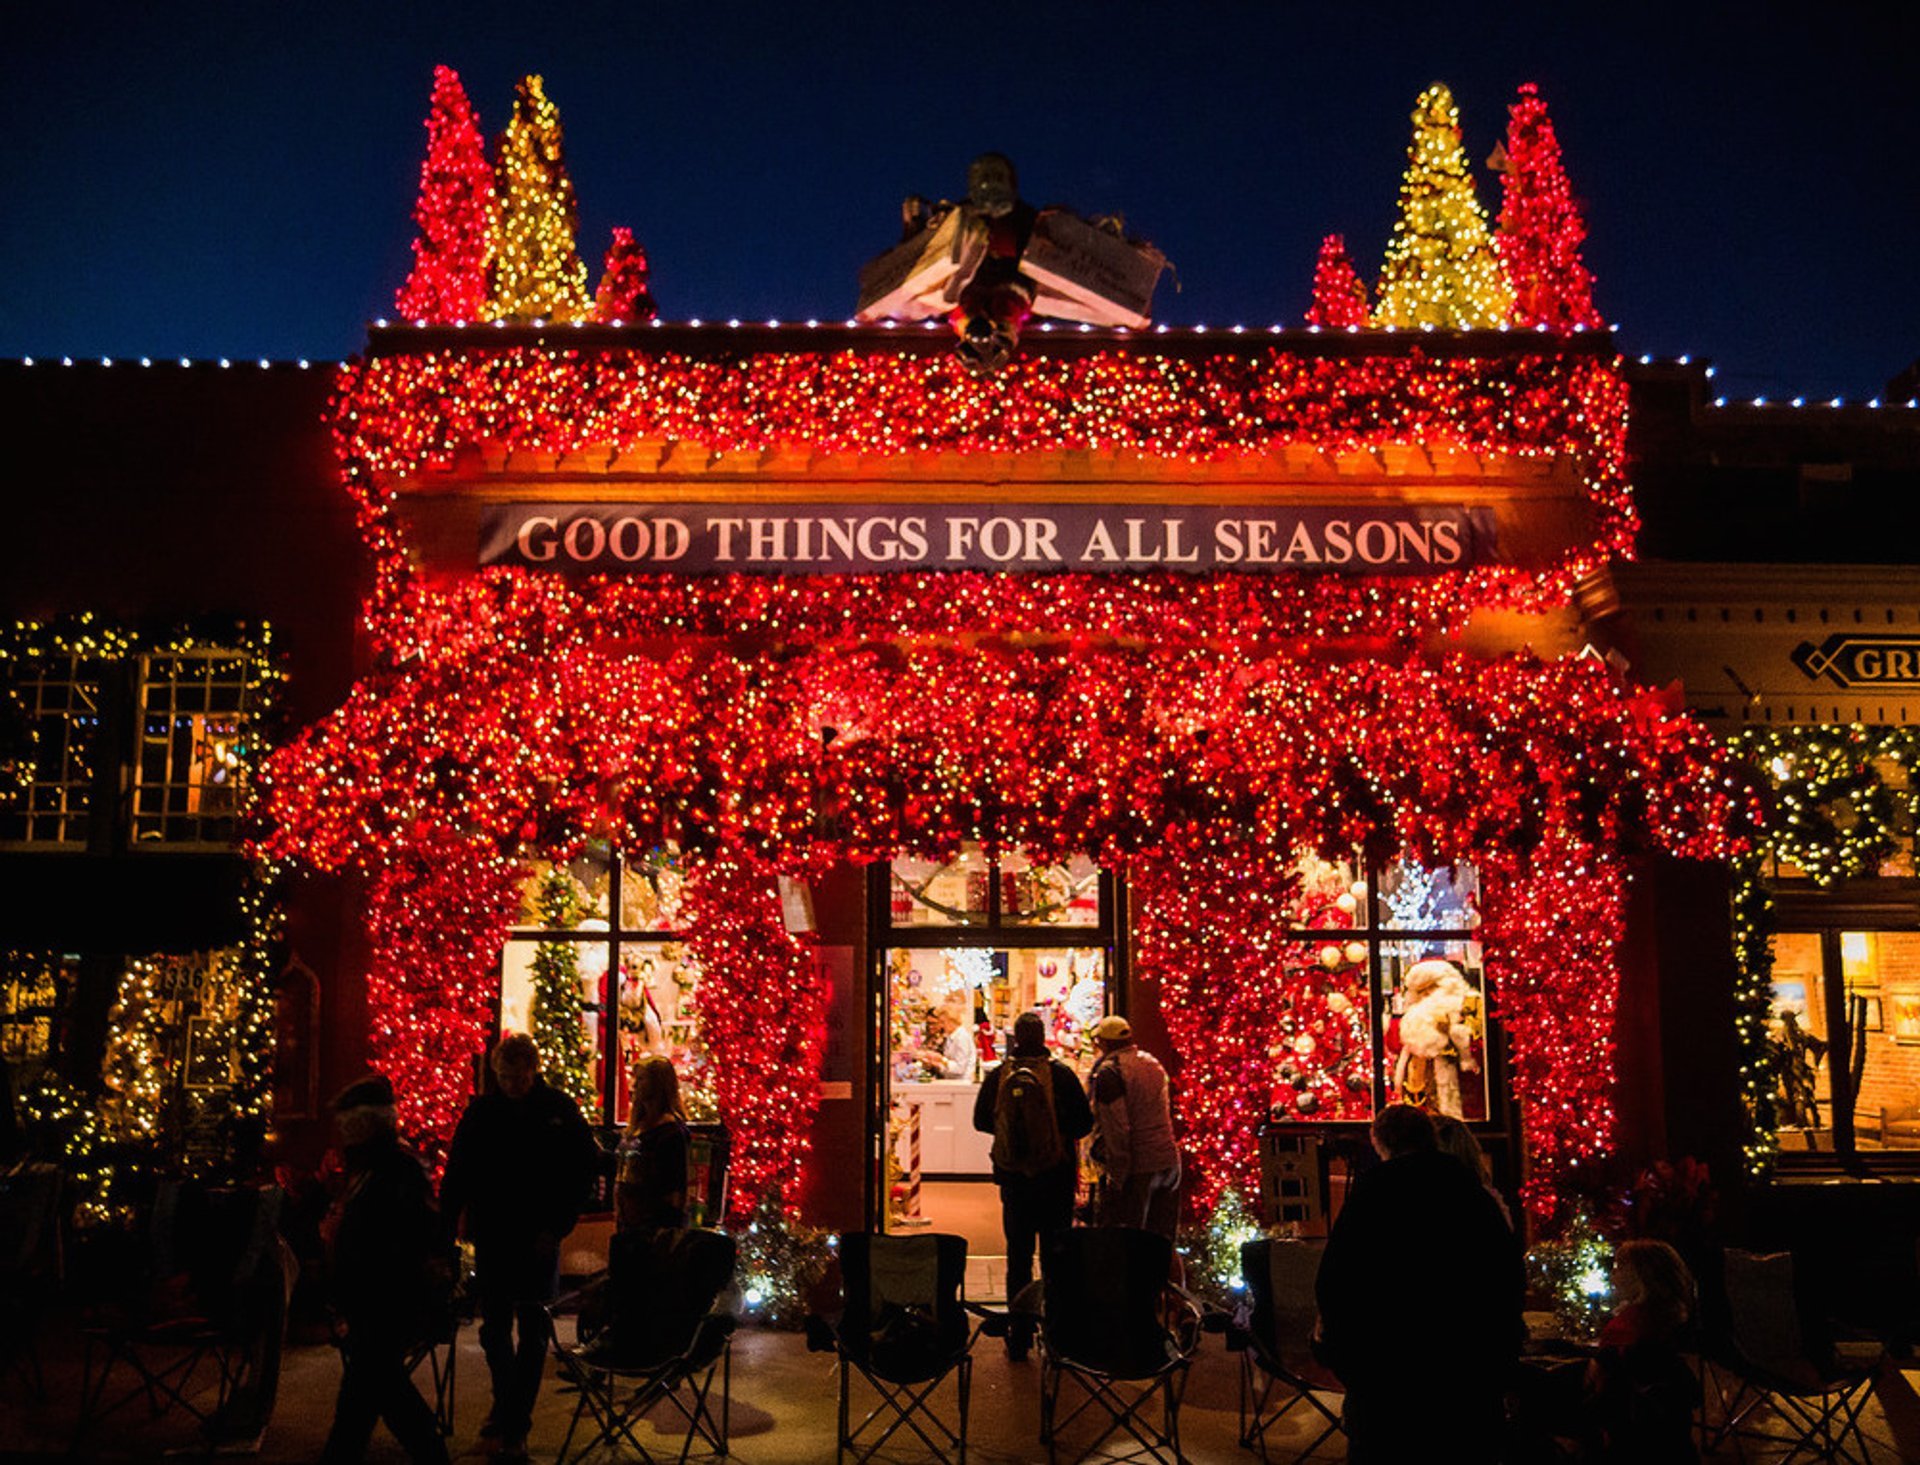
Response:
column 1540, row 229
column 1441, row 268
column 1339, row 295
column 537, row 272
column 455, row 214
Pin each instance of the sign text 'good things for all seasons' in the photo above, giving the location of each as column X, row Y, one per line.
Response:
column 804, row 539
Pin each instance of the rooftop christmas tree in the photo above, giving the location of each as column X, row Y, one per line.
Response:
column 1441, row 268
column 454, row 211
column 537, row 272
column 1540, row 230
column 557, row 1012
column 1339, row 295
column 623, row 294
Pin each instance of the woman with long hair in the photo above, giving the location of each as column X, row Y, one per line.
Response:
column 650, row 1179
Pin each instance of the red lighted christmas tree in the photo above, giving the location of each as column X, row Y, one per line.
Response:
column 1339, row 294
column 623, row 294
column 454, row 211
column 1540, row 229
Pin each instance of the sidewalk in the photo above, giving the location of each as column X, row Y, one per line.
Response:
column 785, row 1401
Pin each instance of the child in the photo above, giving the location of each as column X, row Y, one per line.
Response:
column 1644, row 1394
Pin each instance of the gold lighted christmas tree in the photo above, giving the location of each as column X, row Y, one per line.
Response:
column 1441, row 268
column 537, row 271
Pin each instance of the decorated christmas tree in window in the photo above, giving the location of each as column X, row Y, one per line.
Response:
column 1339, row 294
column 537, row 270
column 1441, row 268
column 557, row 1012
column 1540, row 230
column 448, row 283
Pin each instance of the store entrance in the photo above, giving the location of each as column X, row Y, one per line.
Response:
column 961, row 948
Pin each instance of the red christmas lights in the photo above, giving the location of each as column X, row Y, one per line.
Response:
column 623, row 294
column 1540, row 229
column 1339, row 294
column 1191, row 732
column 451, row 255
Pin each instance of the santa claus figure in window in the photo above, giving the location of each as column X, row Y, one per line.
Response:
column 1439, row 1034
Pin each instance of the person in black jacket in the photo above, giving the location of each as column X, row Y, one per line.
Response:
column 389, row 1270
column 520, row 1168
column 1037, row 1167
column 1420, row 1292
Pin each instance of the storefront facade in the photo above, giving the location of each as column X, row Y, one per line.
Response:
column 804, row 707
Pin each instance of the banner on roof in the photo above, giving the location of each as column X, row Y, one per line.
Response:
column 813, row 539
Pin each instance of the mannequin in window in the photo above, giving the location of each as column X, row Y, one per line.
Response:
column 1439, row 1034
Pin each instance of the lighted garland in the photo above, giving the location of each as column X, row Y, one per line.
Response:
column 397, row 416
column 504, row 735
column 1842, row 800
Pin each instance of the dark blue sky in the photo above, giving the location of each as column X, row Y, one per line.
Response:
column 216, row 178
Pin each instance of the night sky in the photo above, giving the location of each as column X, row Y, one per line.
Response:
column 212, row 179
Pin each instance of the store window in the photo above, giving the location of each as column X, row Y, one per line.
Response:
column 197, row 710
column 1845, row 1027
column 35, row 989
column 1381, row 996
column 55, row 712
column 598, row 970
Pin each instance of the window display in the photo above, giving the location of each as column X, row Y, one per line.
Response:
column 1845, row 1027
column 953, row 1009
column 197, row 711
column 976, row 888
column 57, row 699
column 555, row 979
column 1381, row 998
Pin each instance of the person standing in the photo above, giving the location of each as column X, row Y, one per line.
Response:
column 519, row 1170
column 1036, row 1111
column 650, row 1174
column 389, row 1269
column 1133, row 1141
column 1418, row 1253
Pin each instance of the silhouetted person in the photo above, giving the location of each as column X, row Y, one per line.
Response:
column 1133, row 1141
column 1644, row 1393
column 389, row 1269
column 650, row 1169
column 1420, row 1294
column 518, row 1172
column 1033, row 1106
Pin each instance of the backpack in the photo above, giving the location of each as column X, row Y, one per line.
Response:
column 1026, row 1131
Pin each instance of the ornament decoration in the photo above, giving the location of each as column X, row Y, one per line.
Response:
column 537, row 273
column 1540, row 228
column 1441, row 268
column 1339, row 294
column 624, row 294
column 455, row 214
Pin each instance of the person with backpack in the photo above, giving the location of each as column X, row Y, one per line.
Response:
column 1033, row 1106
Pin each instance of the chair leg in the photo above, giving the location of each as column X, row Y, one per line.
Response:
column 965, row 1370
column 840, row 1445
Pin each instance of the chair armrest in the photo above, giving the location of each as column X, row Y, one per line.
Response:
column 994, row 1321
column 570, row 1301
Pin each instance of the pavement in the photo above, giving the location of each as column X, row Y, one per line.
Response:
column 784, row 1408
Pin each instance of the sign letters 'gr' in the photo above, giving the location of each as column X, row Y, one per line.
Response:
column 812, row 539
column 1850, row 660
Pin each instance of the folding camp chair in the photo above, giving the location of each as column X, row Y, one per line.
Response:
column 29, row 1265
column 1815, row 1390
column 1114, row 1324
column 904, row 1330
column 1278, row 1372
column 208, row 1253
column 439, row 1350
column 650, row 1334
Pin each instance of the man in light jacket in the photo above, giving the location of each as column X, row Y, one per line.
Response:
column 1133, row 1133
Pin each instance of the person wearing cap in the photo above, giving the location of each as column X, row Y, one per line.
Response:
column 519, row 1171
column 1037, row 1174
column 389, row 1268
column 1133, row 1134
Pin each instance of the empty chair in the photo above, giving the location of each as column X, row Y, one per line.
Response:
column 1278, row 1372
column 904, row 1330
column 654, row 1338
column 1114, row 1325
column 1815, row 1389
column 29, row 1264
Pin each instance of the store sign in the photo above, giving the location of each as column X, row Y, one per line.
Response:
column 811, row 539
column 1862, row 661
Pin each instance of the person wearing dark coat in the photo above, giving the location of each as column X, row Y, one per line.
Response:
column 1034, row 1207
column 1420, row 1292
column 389, row 1269
column 518, row 1172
